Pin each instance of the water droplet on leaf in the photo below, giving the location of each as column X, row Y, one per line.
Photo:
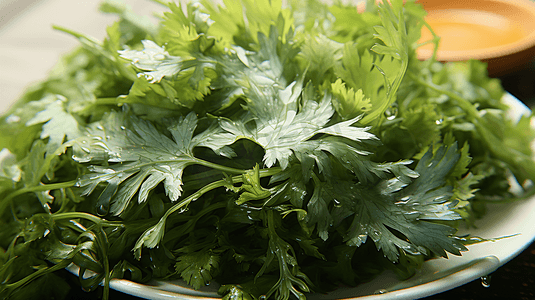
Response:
column 391, row 113
column 102, row 210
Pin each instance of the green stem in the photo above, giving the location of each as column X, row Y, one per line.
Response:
column 520, row 164
column 110, row 101
column 86, row 216
column 214, row 185
column 435, row 40
column 177, row 232
column 463, row 103
column 198, row 194
column 62, row 265
column 104, row 247
column 95, row 45
column 152, row 236
column 75, row 34
column 270, row 171
column 40, row 188
column 127, row 100
column 219, row 167
column 200, row 177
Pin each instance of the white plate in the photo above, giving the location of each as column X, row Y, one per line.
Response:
column 514, row 221
column 29, row 48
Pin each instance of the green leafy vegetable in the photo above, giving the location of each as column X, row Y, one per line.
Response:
column 276, row 150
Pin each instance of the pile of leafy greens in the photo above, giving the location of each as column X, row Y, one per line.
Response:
column 276, row 150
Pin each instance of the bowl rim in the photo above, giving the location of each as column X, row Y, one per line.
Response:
column 527, row 42
column 487, row 53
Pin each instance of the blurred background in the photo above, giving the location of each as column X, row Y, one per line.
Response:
column 29, row 47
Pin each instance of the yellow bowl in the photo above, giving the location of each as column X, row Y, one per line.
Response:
column 499, row 32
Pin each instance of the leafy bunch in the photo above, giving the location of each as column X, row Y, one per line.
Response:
column 276, row 150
